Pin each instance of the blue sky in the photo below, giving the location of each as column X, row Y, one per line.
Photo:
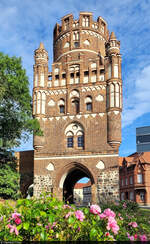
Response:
column 25, row 23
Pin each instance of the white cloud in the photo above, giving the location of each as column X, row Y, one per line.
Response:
column 138, row 101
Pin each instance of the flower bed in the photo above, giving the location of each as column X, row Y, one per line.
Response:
column 47, row 219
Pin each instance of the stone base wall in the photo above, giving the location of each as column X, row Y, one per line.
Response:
column 108, row 185
column 42, row 183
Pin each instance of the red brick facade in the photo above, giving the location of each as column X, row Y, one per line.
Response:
column 79, row 107
column 135, row 178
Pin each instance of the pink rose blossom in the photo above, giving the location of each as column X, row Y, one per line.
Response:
column 135, row 236
column 15, row 215
column 18, row 221
column 95, row 209
column 119, row 214
column 13, row 229
column 112, row 224
column 121, row 218
column 68, row 214
column 109, row 213
column 102, row 216
column 131, row 238
column 133, row 224
column 79, row 215
column 143, row 238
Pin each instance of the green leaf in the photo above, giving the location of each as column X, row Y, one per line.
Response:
column 86, row 210
column 51, row 219
column 93, row 232
column 71, row 220
column 43, row 214
column 19, row 226
column 26, row 225
column 43, row 236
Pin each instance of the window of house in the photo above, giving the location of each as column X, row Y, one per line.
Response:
column 142, row 196
column 85, row 21
column 76, row 104
column 63, row 76
column 122, row 196
column 88, row 101
column 76, row 44
column 70, row 141
column 126, row 181
column 77, row 74
column 62, row 109
column 86, row 73
column 122, row 182
column 75, row 135
column 56, row 77
column 66, row 23
column 131, row 195
column 81, row 141
column 61, row 104
column 131, row 180
column 89, row 106
column 139, row 178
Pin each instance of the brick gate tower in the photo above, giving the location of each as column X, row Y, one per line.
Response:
column 78, row 105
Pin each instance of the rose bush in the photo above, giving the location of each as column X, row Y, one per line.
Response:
column 47, row 219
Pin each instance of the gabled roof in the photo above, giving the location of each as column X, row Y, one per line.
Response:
column 135, row 158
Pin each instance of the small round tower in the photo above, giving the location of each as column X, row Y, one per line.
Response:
column 114, row 90
column 39, row 90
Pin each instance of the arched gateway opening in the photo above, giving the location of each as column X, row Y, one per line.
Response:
column 74, row 173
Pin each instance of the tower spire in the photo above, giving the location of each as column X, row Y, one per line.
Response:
column 41, row 45
column 112, row 36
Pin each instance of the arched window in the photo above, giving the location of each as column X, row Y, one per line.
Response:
column 61, row 105
column 75, row 136
column 70, row 139
column 88, row 101
column 117, row 94
column 112, row 98
column 80, row 139
column 34, row 103
column 76, row 105
column 38, row 102
column 43, row 102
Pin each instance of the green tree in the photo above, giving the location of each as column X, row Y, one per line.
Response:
column 9, row 177
column 16, row 120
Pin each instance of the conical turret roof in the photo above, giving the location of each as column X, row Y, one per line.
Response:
column 112, row 36
column 41, row 45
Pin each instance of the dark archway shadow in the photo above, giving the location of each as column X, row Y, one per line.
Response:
column 75, row 174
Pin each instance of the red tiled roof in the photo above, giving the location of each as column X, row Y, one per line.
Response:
column 81, row 185
column 136, row 157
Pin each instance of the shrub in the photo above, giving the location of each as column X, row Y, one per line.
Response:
column 47, row 219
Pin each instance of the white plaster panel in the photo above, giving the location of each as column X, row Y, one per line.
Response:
column 51, row 103
column 50, row 167
column 100, row 165
column 99, row 98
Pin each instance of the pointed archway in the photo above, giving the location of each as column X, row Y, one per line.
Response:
column 74, row 173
